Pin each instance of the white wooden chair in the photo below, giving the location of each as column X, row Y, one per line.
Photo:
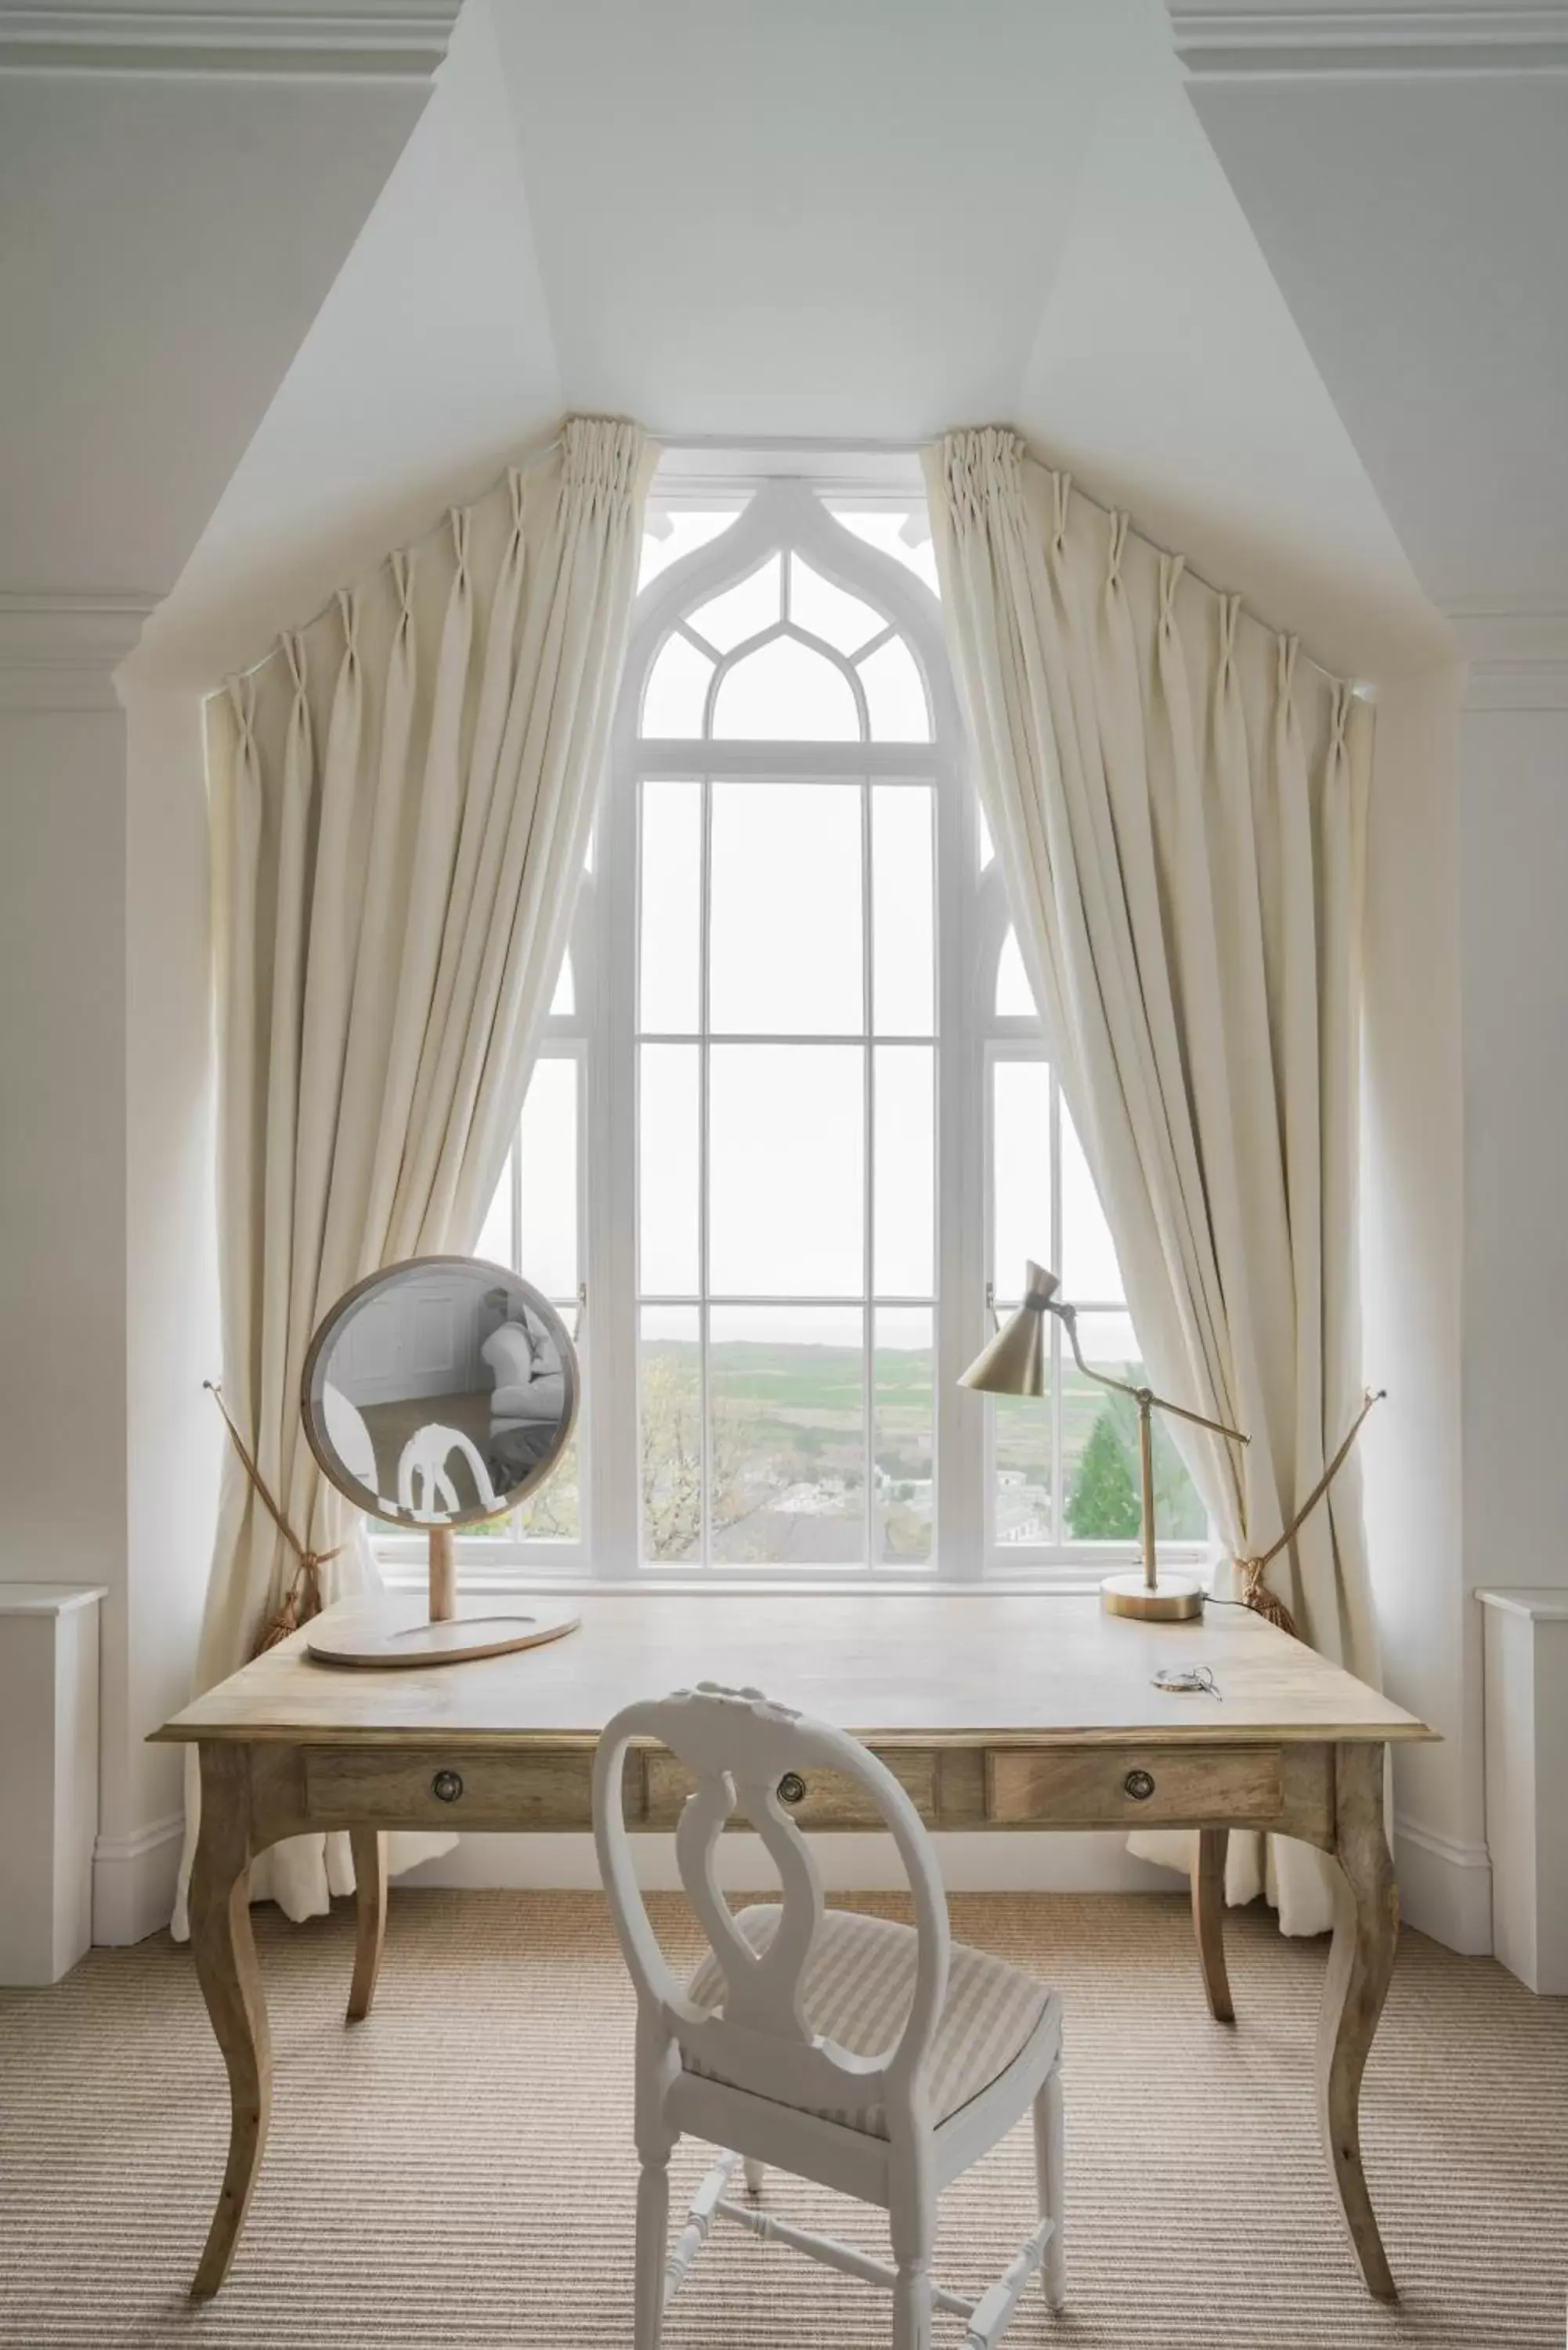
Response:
column 424, row 1465
column 877, row 2059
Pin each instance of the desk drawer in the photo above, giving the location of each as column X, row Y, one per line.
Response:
column 368, row 1786
column 1128, row 1787
column 826, row 1800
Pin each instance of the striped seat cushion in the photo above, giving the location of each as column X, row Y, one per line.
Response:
column 859, row 1981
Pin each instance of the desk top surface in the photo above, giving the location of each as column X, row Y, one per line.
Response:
column 927, row 1668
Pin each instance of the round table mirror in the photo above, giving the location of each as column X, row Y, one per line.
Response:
column 438, row 1394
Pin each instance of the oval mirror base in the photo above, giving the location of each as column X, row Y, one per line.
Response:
column 393, row 1633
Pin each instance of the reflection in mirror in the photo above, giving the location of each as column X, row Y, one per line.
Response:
column 440, row 1391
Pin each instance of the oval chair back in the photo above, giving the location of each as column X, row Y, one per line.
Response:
column 739, row 1746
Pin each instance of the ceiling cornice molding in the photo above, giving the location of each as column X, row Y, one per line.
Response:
column 225, row 40
column 61, row 653
column 1516, row 651
column 1353, row 43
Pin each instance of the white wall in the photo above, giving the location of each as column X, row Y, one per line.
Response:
column 1466, row 1171
column 62, row 1171
column 174, row 1437
column 1412, row 1256
column 178, row 230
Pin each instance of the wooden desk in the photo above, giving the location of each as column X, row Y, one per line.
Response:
column 997, row 1712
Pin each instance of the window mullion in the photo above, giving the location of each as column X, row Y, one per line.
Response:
column 705, row 1073
column 868, row 1173
column 960, row 1429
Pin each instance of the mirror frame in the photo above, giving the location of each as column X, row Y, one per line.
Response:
column 312, row 1377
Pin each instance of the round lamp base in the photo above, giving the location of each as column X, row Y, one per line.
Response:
column 1173, row 1599
column 392, row 1633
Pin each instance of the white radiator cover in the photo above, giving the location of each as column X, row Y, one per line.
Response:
column 48, row 1776
column 1527, row 1781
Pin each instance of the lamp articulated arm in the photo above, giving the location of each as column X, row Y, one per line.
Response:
column 1016, row 1362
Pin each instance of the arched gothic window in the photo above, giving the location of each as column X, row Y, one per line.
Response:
column 794, row 1111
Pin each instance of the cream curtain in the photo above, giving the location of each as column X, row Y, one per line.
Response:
column 401, row 798
column 1178, row 797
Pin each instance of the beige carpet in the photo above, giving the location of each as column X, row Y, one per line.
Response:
column 457, row 2171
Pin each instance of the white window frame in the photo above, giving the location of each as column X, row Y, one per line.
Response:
column 972, row 921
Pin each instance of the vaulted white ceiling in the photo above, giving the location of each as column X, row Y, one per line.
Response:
column 742, row 220
column 1406, row 172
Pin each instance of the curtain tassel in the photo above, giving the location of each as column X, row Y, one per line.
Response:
column 302, row 1600
column 1255, row 1592
column 1256, row 1595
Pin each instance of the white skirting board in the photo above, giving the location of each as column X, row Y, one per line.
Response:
column 133, row 1880
column 1058, row 1863
column 1444, row 1888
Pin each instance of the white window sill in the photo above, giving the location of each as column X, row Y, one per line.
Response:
column 1068, row 1579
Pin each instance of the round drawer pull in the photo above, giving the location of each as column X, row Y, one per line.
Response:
column 792, row 1788
column 447, row 1786
column 1140, row 1785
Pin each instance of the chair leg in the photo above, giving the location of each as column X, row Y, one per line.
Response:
column 912, row 2306
column 1049, row 2171
column 912, row 2224
column 756, row 2172
column 652, row 2249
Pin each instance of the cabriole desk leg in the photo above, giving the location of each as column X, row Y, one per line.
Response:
column 370, row 1850
column 1208, row 1921
column 225, row 1955
column 1360, row 1962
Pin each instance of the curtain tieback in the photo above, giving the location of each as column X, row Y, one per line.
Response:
column 1255, row 1592
column 302, row 1600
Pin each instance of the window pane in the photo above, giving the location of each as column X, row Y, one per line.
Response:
column 816, row 605
column 547, row 1148
column 1014, row 996
column 494, row 1241
column 553, row 1512
column 904, row 533
column 895, row 695
column 1100, row 1473
column 676, row 693
column 902, row 915
column 1021, row 1171
column 1089, row 1267
column 1100, row 1470
column 786, row 1142
column 670, row 908
column 670, row 1432
column 668, row 1170
column 903, row 1449
column 905, row 1186
column 785, row 910
column 787, row 1413
column 743, row 611
column 671, row 533
column 786, row 693
column 1021, row 1451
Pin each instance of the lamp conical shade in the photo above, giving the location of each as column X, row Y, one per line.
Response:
column 1017, row 1361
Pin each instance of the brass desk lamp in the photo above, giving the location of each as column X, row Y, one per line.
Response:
column 1016, row 1363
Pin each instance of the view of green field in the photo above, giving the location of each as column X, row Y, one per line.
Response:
column 790, row 1457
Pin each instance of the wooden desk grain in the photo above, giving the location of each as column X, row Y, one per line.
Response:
column 997, row 1710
